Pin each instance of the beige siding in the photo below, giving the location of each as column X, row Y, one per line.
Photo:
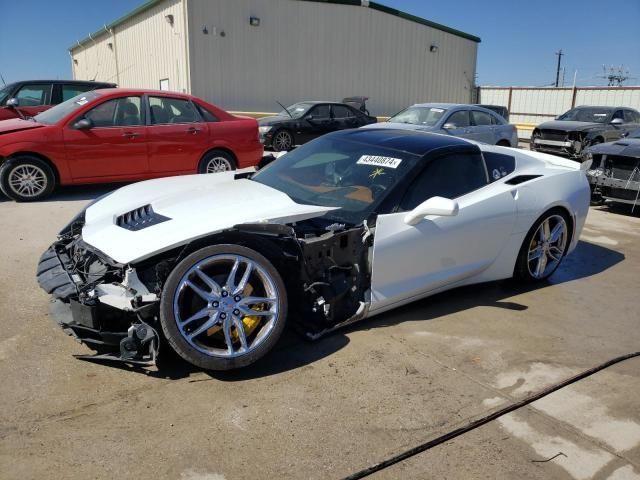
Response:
column 316, row 51
column 147, row 49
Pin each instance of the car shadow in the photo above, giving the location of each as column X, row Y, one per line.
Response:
column 622, row 209
column 294, row 352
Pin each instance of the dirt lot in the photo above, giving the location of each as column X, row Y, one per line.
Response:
column 327, row 409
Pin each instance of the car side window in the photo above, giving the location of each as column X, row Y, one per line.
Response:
column 499, row 165
column 340, row 111
column 459, row 119
column 618, row 114
column 449, row 176
column 70, row 91
column 631, row 117
column 118, row 112
column 479, row 118
column 166, row 110
column 32, row 95
column 206, row 114
column 321, row 112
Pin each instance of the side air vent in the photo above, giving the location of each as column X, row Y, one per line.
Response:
column 140, row 218
column 518, row 179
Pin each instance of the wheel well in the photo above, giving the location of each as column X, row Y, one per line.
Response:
column 56, row 174
column 504, row 143
column 220, row 149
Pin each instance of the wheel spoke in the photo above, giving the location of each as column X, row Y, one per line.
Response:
column 226, row 329
column 243, row 281
column 230, row 284
column 257, row 313
column 557, row 231
column 542, row 265
column 535, row 253
column 197, row 290
column 205, row 326
column 546, row 230
column 555, row 253
column 237, row 322
column 211, row 283
column 200, row 314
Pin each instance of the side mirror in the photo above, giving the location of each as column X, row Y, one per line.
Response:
column 309, row 118
column 617, row 121
column 449, row 126
column 13, row 103
column 434, row 206
column 83, row 124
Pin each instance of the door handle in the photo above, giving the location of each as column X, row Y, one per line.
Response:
column 130, row 134
column 193, row 130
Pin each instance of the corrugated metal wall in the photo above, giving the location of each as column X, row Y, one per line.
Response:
column 531, row 106
column 322, row 51
column 146, row 49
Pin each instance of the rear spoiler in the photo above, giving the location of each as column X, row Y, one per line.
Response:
column 358, row 103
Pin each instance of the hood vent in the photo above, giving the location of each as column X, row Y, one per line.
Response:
column 140, row 218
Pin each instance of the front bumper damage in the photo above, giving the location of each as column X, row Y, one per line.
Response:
column 606, row 186
column 108, row 308
column 572, row 149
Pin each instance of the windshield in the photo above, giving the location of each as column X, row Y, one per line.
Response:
column 334, row 172
column 4, row 93
column 57, row 113
column 296, row 110
column 594, row 115
column 425, row 116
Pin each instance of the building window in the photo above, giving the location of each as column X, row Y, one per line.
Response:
column 164, row 84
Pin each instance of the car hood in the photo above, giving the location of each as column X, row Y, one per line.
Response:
column 402, row 126
column 273, row 120
column 17, row 125
column 569, row 126
column 625, row 147
column 195, row 205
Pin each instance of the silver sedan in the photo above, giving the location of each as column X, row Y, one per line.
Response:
column 466, row 121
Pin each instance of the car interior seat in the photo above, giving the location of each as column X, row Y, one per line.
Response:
column 129, row 114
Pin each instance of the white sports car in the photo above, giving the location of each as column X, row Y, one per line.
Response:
column 348, row 226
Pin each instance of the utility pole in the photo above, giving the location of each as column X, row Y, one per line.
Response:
column 559, row 54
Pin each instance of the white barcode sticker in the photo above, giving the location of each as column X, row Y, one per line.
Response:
column 378, row 161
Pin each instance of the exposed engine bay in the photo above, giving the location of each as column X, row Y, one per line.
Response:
column 115, row 307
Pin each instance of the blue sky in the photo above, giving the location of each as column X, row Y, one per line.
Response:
column 518, row 38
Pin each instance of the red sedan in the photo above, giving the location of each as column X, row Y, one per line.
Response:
column 117, row 135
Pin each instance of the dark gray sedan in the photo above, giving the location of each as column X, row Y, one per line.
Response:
column 467, row 121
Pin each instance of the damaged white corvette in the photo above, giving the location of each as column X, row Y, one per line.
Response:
column 348, row 226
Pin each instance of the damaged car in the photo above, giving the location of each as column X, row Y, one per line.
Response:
column 574, row 131
column 343, row 228
column 615, row 170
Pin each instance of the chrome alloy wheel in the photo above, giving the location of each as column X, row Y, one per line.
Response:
column 223, row 316
column 27, row 180
column 282, row 141
column 547, row 246
column 218, row 164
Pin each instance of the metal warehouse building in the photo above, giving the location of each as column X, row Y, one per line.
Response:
column 245, row 54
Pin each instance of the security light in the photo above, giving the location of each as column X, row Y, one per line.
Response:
column 433, row 48
column 169, row 19
column 110, row 46
column 254, row 21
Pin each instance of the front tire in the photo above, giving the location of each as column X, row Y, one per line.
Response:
column 217, row 161
column 544, row 247
column 26, row 179
column 282, row 141
column 223, row 307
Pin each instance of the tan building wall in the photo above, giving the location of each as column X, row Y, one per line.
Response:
column 302, row 50
column 145, row 49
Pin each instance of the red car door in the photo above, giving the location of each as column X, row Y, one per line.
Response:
column 113, row 143
column 177, row 137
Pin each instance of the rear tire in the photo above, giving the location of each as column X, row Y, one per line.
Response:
column 544, row 247
column 217, row 161
column 217, row 316
column 26, row 179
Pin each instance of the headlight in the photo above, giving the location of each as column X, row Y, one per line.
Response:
column 264, row 129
